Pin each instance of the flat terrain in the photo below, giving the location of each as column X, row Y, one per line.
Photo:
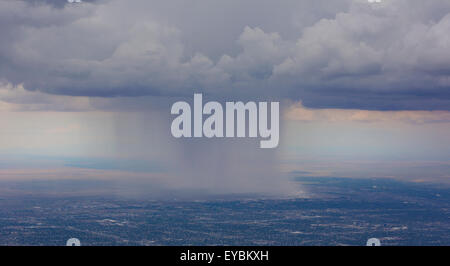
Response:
column 339, row 212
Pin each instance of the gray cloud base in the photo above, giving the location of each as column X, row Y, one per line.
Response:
column 344, row 54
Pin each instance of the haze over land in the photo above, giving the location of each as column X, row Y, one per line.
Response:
column 363, row 89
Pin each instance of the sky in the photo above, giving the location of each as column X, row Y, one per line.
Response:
column 86, row 90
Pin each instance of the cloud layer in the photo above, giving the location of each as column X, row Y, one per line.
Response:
column 336, row 54
column 297, row 112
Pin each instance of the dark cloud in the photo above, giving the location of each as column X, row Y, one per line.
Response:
column 343, row 53
column 55, row 3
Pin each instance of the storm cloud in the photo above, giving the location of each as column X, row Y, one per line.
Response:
column 391, row 55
